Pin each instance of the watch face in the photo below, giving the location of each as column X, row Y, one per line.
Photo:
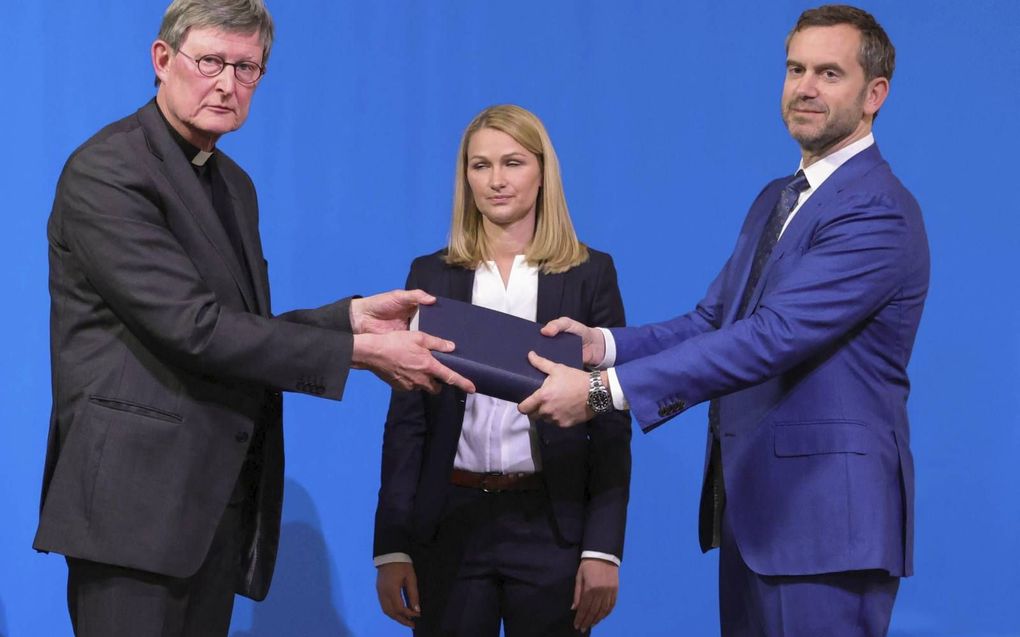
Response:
column 598, row 400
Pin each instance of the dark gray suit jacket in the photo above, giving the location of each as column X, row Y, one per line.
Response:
column 167, row 363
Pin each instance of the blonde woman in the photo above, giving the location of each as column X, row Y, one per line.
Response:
column 483, row 516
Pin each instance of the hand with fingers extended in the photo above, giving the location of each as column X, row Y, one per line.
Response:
column 595, row 589
column 386, row 312
column 397, row 587
column 563, row 397
column 593, row 341
column 404, row 361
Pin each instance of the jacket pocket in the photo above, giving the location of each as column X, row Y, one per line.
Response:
column 135, row 408
column 821, row 437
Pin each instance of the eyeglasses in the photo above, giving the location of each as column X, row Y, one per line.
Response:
column 212, row 65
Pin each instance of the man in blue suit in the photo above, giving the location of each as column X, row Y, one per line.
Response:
column 801, row 344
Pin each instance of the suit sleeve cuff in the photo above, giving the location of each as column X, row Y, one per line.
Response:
column 390, row 558
column 344, row 314
column 610, row 358
column 620, row 401
column 605, row 557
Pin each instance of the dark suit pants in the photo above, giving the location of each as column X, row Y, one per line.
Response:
column 112, row 601
column 496, row 556
column 848, row 604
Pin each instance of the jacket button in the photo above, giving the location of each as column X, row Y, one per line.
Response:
column 241, row 436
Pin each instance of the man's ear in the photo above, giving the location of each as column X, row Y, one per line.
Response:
column 162, row 56
column 874, row 95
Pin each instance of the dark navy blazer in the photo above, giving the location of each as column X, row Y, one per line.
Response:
column 586, row 468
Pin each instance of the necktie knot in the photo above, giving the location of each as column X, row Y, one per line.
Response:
column 799, row 183
column 791, row 193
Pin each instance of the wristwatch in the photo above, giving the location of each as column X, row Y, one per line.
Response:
column 598, row 394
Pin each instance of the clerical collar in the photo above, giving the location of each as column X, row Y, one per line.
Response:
column 191, row 152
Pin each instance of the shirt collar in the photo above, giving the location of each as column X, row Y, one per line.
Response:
column 520, row 263
column 822, row 169
column 196, row 156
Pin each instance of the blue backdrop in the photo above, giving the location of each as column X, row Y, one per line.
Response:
column 666, row 118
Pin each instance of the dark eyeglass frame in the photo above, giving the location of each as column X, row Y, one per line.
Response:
column 222, row 64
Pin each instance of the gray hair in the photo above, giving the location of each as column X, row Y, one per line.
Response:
column 236, row 16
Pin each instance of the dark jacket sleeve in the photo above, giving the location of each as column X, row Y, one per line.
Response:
column 403, row 443
column 609, row 459
column 113, row 222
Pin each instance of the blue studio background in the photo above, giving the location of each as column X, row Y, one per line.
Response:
column 665, row 115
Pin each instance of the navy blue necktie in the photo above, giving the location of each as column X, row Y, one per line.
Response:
column 769, row 237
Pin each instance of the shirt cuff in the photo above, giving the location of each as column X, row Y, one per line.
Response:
column 610, row 358
column 620, row 402
column 595, row 555
column 390, row 558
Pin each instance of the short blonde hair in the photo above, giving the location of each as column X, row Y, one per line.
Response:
column 555, row 247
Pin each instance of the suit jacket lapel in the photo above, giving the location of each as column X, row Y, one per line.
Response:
column 550, row 296
column 846, row 175
column 819, row 202
column 459, row 283
column 251, row 244
column 743, row 255
column 183, row 180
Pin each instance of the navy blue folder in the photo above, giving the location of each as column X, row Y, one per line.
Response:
column 492, row 347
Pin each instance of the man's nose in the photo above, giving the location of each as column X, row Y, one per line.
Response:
column 807, row 86
column 226, row 81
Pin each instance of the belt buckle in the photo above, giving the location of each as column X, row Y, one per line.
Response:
column 485, row 482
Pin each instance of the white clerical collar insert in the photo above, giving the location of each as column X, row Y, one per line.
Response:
column 202, row 157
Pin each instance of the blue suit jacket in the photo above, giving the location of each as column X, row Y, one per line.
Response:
column 812, row 378
column 586, row 468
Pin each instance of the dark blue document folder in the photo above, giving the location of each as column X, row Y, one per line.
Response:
column 492, row 347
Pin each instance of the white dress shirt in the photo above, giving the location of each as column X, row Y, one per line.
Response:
column 495, row 437
column 816, row 175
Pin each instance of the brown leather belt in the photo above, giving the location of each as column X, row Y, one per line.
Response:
column 496, row 482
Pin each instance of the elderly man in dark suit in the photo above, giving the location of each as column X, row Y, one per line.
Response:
column 164, row 470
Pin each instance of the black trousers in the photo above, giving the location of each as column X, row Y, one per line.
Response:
column 113, row 601
column 496, row 557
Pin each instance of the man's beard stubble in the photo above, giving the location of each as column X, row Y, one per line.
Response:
column 833, row 129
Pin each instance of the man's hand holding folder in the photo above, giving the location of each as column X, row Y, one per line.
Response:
column 562, row 398
column 556, row 401
column 401, row 358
